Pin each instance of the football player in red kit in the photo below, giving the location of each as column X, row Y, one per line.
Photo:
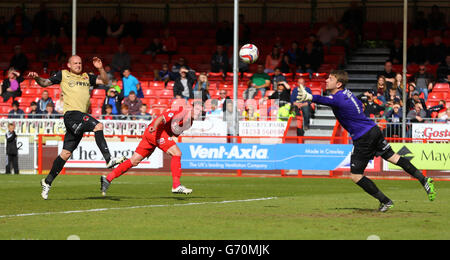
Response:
column 159, row 134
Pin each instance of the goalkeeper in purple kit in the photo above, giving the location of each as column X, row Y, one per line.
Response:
column 368, row 140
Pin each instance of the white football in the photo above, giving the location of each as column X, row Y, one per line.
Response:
column 249, row 53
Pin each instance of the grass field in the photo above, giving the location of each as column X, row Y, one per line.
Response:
column 223, row 208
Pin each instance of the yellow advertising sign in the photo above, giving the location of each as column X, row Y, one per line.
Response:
column 431, row 156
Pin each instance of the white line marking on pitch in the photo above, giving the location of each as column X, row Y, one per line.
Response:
column 135, row 207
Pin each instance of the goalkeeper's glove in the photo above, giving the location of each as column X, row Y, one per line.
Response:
column 302, row 95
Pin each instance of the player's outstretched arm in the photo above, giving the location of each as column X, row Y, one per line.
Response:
column 40, row 81
column 103, row 77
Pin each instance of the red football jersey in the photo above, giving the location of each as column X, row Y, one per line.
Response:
column 175, row 122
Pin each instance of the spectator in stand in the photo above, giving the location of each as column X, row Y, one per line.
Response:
column 201, row 88
column 436, row 19
column 394, row 117
column 52, row 24
column 388, row 73
column 59, row 105
column 143, row 114
column 35, row 113
column 177, row 66
column 420, row 22
column 416, row 99
column 303, row 107
column 115, row 27
column 260, row 81
column 423, row 81
column 97, row 26
column 251, row 114
column 11, row 150
column 283, row 93
column 294, row 53
column 417, row 52
column 392, row 96
column 443, row 70
column 50, row 112
column 439, row 110
column 112, row 99
column 133, row 27
column 436, row 51
column 108, row 115
column 328, row 33
column 124, row 113
column 417, row 115
column 286, row 66
column 11, row 85
column 228, row 117
column 169, row 43
column 398, row 84
column 273, row 60
column 223, row 96
column 19, row 24
column 44, row 101
column 310, row 61
column 370, row 103
column 53, row 49
column 445, row 118
column 130, row 83
column 121, row 59
column 154, row 48
column 183, row 84
column 219, row 60
column 115, row 85
column 65, row 25
column 353, row 19
column 224, row 34
column 317, row 46
column 164, row 74
column 277, row 77
column 381, row 89
column 134, row 104
column 215, row 113
column 396, row 52
column 40, row 20
column 16, row 112
column 244, row 30
column 344, row 37
column 19, row 61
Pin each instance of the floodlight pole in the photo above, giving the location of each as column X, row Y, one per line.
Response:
column 236, row 67
column 405, row 32
column 74, row 27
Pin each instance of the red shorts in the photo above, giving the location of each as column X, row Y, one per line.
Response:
column 150, row 141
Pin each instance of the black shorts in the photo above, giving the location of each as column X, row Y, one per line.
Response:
column 77, row 123
column 367, row 147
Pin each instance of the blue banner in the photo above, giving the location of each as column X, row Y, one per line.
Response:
column 264, row 157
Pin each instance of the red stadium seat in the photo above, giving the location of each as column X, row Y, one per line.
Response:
column 156, row 84
column 165, row 93
column 98, row 93
column 441, row 87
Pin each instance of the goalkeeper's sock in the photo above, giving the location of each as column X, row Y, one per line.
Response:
column 119, row 170
column 369, row 186
column 411, row 170
column 58, row 165
column 175, row 166
column 101, row 143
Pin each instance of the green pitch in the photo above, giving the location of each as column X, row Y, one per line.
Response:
column 224, row 208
